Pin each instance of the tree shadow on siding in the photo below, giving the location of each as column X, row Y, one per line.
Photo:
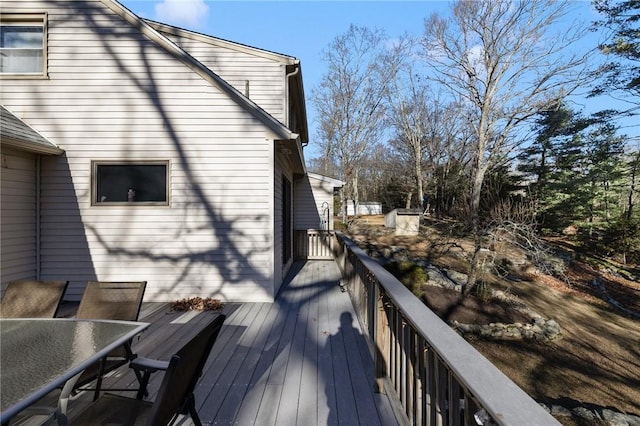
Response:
column 227, row 252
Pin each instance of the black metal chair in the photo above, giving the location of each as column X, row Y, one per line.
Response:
column 175, row 395
column 110, row 301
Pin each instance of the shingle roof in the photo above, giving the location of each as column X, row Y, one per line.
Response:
column 15, row 132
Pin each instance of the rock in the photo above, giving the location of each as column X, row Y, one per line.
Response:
column 539, row 321
column 485, row 332
column 457, row 277
column 515, row 334
column 612, row 418
column 560, row 411
column 633, row 420
column 553, row 323
column 583, row 413
column 436, row 277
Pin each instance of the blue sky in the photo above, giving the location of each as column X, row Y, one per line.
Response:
column 303, row 28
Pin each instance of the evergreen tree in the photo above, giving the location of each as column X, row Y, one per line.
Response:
column 537, row 161
column 622, row 72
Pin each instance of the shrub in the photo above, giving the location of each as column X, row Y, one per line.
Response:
column 411, row 275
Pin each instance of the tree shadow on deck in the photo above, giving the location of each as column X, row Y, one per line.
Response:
column 302, row 360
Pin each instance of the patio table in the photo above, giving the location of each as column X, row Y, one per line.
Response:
column 40, row 355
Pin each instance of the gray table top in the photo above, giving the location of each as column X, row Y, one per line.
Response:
column 39, row 355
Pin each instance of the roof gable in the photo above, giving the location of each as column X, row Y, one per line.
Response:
column 295, row 90
column 336, row 183
column 279, row 129
column 215, row 41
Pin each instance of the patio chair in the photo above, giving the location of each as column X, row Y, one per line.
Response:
column 175, row 395
column 109, row 301
column 32, row 299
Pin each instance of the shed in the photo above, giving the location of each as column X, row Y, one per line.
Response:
column 405, row 221
column 365, row 208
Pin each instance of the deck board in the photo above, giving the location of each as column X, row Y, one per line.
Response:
column 291, row 362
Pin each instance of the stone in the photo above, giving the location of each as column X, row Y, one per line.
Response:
column 560, row 411
column 633, row 420
column 613, row 418
column 456, row 277
column 539, row 321
column 515, row 334
column 485, row 332
column 536, row 329
column 584, row 413
column 553, row 324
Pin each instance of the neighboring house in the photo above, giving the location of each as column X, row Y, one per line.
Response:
column 140, row 151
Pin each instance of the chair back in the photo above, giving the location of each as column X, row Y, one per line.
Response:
column 111, row 300
column 32, row 299
column 181, row 377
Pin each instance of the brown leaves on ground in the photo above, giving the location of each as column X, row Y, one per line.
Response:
column 196, row 304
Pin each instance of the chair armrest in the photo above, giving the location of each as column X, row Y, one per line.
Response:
column 148, row 365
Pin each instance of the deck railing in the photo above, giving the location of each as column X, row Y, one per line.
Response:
column 439, row 378
column 313, row 244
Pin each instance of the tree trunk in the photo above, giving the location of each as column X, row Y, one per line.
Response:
column 356, row 195
column 632, row 190
column 474, row 222
column 418, row 171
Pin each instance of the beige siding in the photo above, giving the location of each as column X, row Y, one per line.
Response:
column 112, row 94
column 18, row 216
column 265, row 76
column 311, row 194
column 306, row 207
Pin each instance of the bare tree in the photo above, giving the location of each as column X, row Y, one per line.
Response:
column 350, row 100
column 507, row 61
column 408, row 113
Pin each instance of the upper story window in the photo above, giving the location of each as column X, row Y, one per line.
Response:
column 22, row 45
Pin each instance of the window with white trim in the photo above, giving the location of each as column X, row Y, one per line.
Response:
column 23, row 45
column 130, row 183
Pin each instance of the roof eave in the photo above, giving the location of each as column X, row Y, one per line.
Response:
column 33, row 147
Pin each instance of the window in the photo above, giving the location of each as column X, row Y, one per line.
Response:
column 118, row 183
column 22, row 45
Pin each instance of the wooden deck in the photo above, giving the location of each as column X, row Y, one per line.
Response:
column 302, row 360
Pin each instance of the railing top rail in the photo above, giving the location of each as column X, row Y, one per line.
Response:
column 500, row 396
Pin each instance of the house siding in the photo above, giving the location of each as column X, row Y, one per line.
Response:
column 265, row 77
column 18, row 216
column 114, row 95
column 307, row 205
column 311, row 194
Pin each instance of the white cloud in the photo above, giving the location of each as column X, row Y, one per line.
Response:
column 190, row 13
